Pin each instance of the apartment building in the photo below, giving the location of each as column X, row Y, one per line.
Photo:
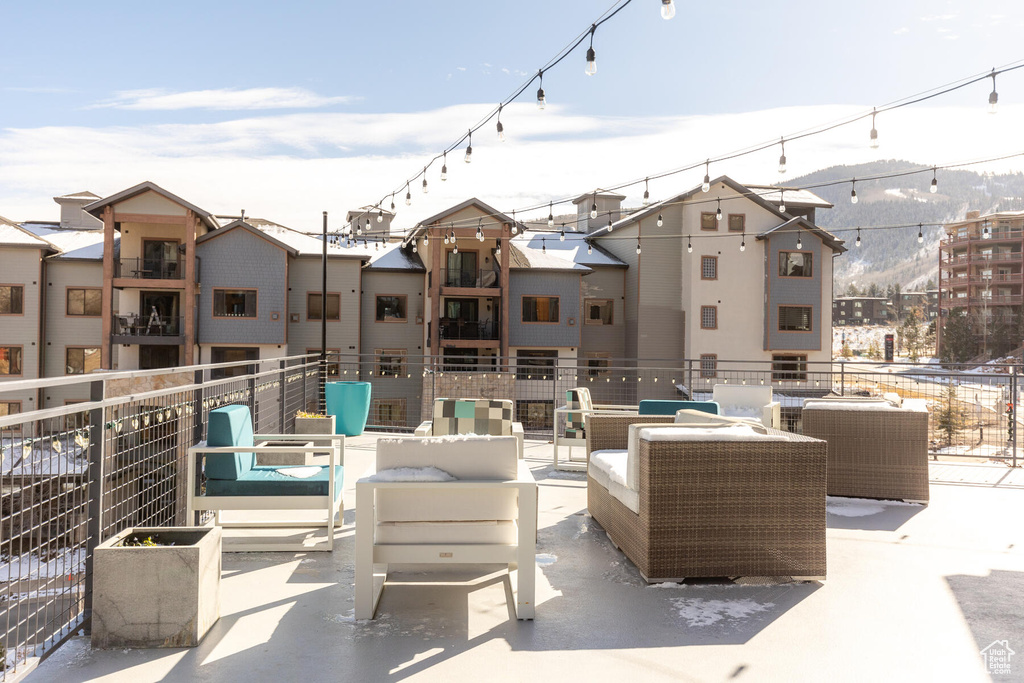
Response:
column 862, row 310
column 145, row 279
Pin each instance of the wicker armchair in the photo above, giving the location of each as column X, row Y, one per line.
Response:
column 709, row 508
column 875, row 449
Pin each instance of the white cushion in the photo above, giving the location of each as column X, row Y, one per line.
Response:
column 740, row 394
column 737, row 432
column 608, row 468
column 445, row 505
column 464, row 456
column 403, row 533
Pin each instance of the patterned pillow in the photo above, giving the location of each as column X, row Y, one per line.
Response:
column 576, row 399
column 472, row 416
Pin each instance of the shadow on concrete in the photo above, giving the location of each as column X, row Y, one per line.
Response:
column 992, row 606
column 869, row 515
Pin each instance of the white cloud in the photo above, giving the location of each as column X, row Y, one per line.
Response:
column 461, row 68
column 900, row 31
column 289, row 168
column 223, row 99
column 939, row 17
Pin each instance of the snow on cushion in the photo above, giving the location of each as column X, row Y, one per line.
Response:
column 464, row 456
column 412, row 474
column 608, row 468
column 708, row 433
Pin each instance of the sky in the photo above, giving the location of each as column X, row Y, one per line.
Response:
column 290, row 109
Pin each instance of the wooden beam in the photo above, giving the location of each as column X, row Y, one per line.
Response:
column 435, row 295
column 189, row 305
column 151, row 218
column 505, row 297
column 107, row 310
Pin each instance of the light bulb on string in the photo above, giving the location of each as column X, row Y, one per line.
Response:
column 661, row 220
column 455, row 250
column 501, row 128
column 380, row 215
column 414, row 249
column 543, row 246
column 858, row 237
column 743, row 242
column 993, row 98
column 985, row 234
column 542, row 101
column 593, row 207
column 561, row 235
column 782, row 157
column 706, row 186
column 647, row 192
column 469, row 149
column 920, row 234
column 515, row 223
column 444, row 166
column 718, row 214
column 591, row 55
column 689, row 245
column 426, row 237
column 853, row 192
column 376, row 245
column 782, row 201
column 668, row 9
column 551, row 216
column 425, row 188
column 799, row 242
column 935, row 182
column 392, row 201
column 497, row 249
column 874, row 131
column 609, row 226
column 590, row 248
column 638, row 245
column 480, row 230
column 359, row 228
column 408, row 195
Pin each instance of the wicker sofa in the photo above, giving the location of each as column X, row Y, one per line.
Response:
column 876, row 448
column 709, row 506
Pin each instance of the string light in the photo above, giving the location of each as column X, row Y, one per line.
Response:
column 359, row 228
column 590, row 248
column 593, row 207
column 392, row 201
column 543, row 245
column 425, row 188
column 743, row 242
column 853, row 192
column 469, row 149
column 920, row 235
column 858, row 237
column 591, row 55
column 561, row 235
column 668, row 9
column 408, row 195
column 706, row 186
column 380, row 215
column 935, row 182
column 497, row 249
column 799, row 241
column 985, row 234
column 501, row 128
column 480, row 230
column 647, row 193
column 542, row 101
column 993, row 98
column 782, row 157
column 874, row 132
column 551, row 215
column 718, row 214
column 638, row 245
column 515, row 223
column 689, row 245
column 444, row 166
column 609, row 226
column 661, row 221
column 782, row 201
column 426, row 237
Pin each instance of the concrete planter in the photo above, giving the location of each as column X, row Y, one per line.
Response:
column 283, row 458
column 156, row 596
column 315, row 425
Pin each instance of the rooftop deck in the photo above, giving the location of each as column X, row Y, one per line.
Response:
column 913, row 593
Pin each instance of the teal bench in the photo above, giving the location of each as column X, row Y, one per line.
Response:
column 667, row 407
column 233, row 480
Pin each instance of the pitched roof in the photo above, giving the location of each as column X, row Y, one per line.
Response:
column 801, row 223
column 472, row 201
column 393, row 257
column 533, row 251
column 69, row 243
column 573, row 248
column 84, row 194
column 96, row 208
column 794, row 196
column 244, row 226
column 309, row 245
column 13, row 235
column 598, row 192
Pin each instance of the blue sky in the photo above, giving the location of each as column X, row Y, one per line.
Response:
column 291, row 108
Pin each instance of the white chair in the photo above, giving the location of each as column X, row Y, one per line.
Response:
column 579, row 404
column 483, row 511
column 753, row 403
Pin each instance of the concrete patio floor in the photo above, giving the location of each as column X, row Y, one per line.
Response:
column 913, row 594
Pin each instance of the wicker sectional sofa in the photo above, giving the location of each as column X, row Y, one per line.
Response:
column 708, row 508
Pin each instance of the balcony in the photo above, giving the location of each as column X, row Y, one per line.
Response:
column 997, row 278
column 1002, row 300
column 469, row 329
column 149, row 269
column 470, row 279
column 997, row 257
column 136, row 329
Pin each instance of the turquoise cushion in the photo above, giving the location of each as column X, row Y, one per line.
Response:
column 265, row 480
column 655, row 407
column 229, row 426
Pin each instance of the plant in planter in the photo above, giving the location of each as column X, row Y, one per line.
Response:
column 313, row 423
column 156, row 587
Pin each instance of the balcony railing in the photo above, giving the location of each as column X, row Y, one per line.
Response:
column 996, row 256
column 483, row 278
column 465, row 329
column 1003, row 300
column 132, row 325
column 149, row 268
column 1004, row 278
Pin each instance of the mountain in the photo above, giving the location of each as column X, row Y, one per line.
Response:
column 893, row 255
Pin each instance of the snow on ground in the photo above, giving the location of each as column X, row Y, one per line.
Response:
column 858, row 507
column 30, row 566
column 44, row 456
column 703, row 612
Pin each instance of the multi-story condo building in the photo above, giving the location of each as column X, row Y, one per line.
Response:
column 145, row 279
column 862, row 310
column 981, row 266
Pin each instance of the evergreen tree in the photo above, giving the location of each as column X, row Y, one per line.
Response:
column 950, row 417
column 911, row 335
column 959, row 343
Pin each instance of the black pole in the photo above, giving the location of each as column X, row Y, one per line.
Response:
column 323, row 322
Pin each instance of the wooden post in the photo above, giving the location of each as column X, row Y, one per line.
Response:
column 189, row 305
column 107, row 347
column 435, row 295
column 505, row 299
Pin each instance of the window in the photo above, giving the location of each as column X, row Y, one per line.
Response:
column 10, row 408
column 12, row 300
column 234, row 303
column 314, row 304
column 599, row 311
column 540, row 309
column 535, row 364
column 708, row 221
column 224, row 354
column 597, row 364
column 795, row 264
column 387, row 412
column 795, row 318
column 535, row 415
column 10, row 360
column 789, row 367
column 85, row 302
column 153, row 357
column 709, row 317
column 391, row 309
column 708, row 365
column 460, row 360
column 333, row 356
column 737, row 222
column 81, row 360
column 708, row 267
column 391, row 362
